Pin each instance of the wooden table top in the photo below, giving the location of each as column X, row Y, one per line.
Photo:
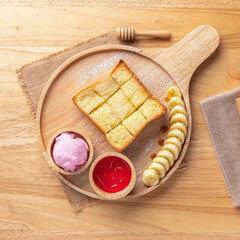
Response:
column 193, row 204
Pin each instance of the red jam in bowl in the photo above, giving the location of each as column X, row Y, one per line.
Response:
column 112, row 174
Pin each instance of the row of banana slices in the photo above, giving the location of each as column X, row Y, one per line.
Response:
column 173, row 143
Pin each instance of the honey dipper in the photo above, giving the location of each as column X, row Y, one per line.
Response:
column 129, row 34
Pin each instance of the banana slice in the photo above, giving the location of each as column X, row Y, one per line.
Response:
column 150, row 177
column 166, row 154
column 171, row 148
column 176, row 133
column 180, row 126
column 159, row 168
column 179, row 117
column 173, row 92
column 175, row 101
column 177, row 109
column 162, row 161
column 175, row 141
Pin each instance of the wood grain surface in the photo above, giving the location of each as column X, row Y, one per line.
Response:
column 193, row 204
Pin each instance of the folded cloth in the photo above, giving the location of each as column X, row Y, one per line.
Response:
column 223, row 123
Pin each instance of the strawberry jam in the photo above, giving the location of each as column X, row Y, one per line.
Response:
column 112, row 174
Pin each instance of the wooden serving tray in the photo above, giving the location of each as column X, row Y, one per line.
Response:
column 158, row 70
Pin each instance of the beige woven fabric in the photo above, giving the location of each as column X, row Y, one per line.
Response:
column 32, row 78
column 223, row 123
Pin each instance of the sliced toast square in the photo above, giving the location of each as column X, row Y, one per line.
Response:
column 119, row 138
column 106, row 88
column 87, row 100
column 121, row 73
column 120, row 105
column 104, row 118
column 135, row 123
column 152, row 108
column 135, row 91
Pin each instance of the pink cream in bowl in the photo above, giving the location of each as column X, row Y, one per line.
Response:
column 70, row 151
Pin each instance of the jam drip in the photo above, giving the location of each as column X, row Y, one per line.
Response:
column 153, row 155
column 164, row 129
column 160, row 142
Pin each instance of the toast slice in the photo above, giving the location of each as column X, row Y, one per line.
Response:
column 120, row 106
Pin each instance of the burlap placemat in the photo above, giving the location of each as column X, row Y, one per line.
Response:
column 223, row 123
column 32, row 78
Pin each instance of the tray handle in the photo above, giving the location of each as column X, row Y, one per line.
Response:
column 183, row 58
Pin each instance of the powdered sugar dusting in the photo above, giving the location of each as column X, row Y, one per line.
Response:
column 90, row 70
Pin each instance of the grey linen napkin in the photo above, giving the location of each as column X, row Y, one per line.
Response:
column 223, row 123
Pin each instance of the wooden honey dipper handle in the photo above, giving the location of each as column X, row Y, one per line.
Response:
column 154, row 34
column 129, row 34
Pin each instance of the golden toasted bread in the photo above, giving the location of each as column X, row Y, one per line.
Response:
column 120, row 106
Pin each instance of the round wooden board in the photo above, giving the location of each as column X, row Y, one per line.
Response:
column 56, row 109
